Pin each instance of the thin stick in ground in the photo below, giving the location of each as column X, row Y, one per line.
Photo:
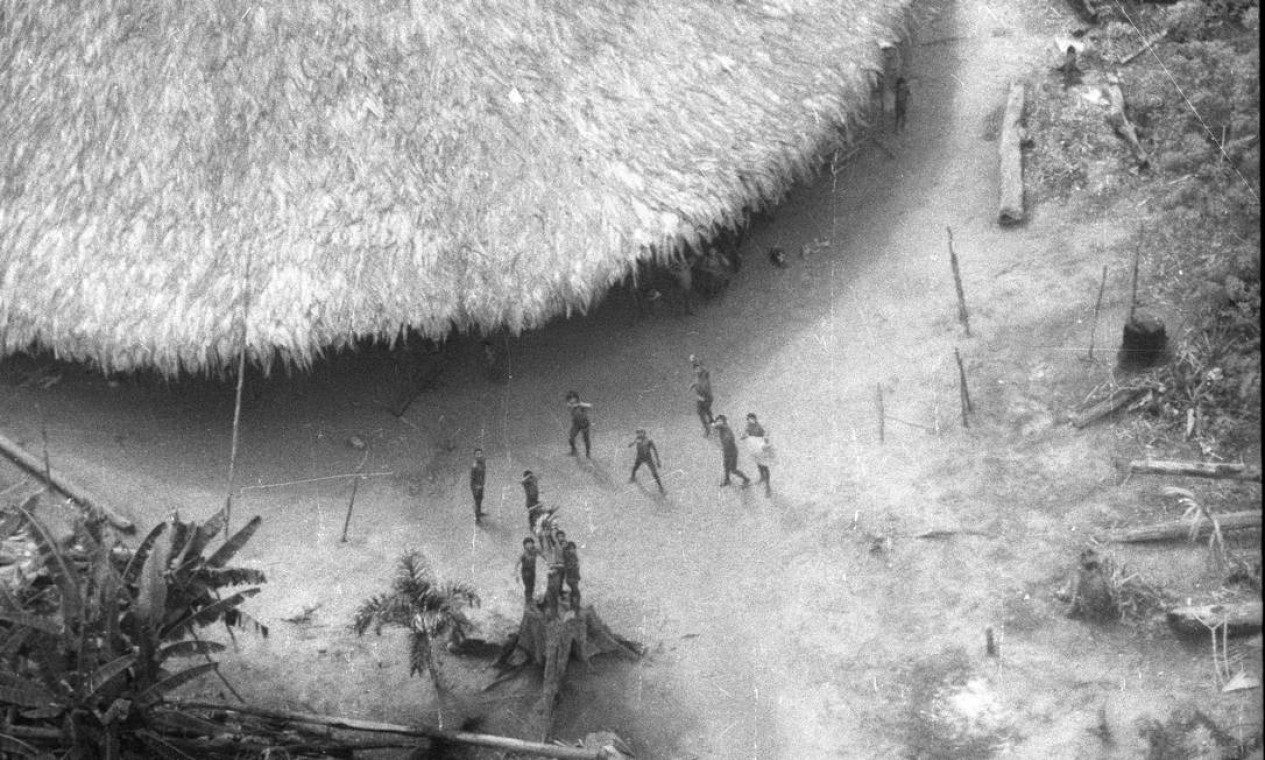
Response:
column 963, row 316
column 48, row 466
column 967, row 406
column 878, row 398
column 1093, row 330
column 1133, row 297
column 351, row 503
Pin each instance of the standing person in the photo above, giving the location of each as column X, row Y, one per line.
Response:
column 902, row 103
column 761, row 451
column 526, row 567
column 729, row 450
column 478, row 476
column 647, row 454
column 531, row 492
column 702, row 387
column 571, row 571
column 579, row 421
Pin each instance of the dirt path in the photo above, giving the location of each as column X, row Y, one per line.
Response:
column 775, row 631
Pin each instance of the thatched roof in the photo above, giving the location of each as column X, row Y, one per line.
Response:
column 358, row 167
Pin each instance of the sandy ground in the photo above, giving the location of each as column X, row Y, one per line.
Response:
column 810, row 625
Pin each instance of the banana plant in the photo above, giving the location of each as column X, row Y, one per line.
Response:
column 91, row 638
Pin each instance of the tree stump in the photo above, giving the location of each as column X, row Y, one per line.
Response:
column 1094, row 599
column 553, row 642
column 1144, row 343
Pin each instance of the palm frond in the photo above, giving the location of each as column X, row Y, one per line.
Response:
column 234, row 544
column 418, row 653
column 59, row 568
column 137, row 561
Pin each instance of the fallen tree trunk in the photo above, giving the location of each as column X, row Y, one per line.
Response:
column 1118, row 398
column 1172, row 530
column 1240, row 619
column 426, row 732
column 29, row 462
column 1010, row 152
column 1215, row 470
column 1120, row 121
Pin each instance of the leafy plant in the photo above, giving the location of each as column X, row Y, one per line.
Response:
column 425, row 606
column 90, row 636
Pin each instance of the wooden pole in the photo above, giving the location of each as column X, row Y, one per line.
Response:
column 1214, row 470
column 1133, row 297
column 1093, row 330
column 990, row 643
column 352, row 724
column 1010, row 155
column 351, row 503
column 31, row 464
column 1171, row 530
column 963, row 316
column 882, row 417
column 237, row 405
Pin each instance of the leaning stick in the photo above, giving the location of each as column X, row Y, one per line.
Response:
column 1146, row 45
column 351, row 503
column 31, row 464
column 1133, row 298
column 48, row 466
column 1097, row 308
column 304, row 481
column 963, row 316
column 1214, row 470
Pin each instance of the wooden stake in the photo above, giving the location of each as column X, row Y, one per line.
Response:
column 967, row 406
column 351, row 503
column 963, row 317
column 1097, row 308
column 878, row 390
column 990, row 643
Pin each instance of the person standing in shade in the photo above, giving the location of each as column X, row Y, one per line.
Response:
column 579, row 421
column 531, row 492
column 702, row 387
column 761, row 451
column 526, row 567
column 478, row 476
column 729, row 451
column 647, row 454
column 902, row 103
column 571, row 572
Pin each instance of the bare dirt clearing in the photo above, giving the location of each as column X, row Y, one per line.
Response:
column 815, row 624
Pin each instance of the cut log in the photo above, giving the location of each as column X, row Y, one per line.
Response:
column 1120, row 121
column 352, row 724
column 1173, row 530
column 1119, row 398
column 1010, row 210
column 1146, row 45
column 1239, row 619
column 1215, row 470
column 27, row 461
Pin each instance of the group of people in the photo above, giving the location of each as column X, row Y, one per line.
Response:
column 548, row 541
